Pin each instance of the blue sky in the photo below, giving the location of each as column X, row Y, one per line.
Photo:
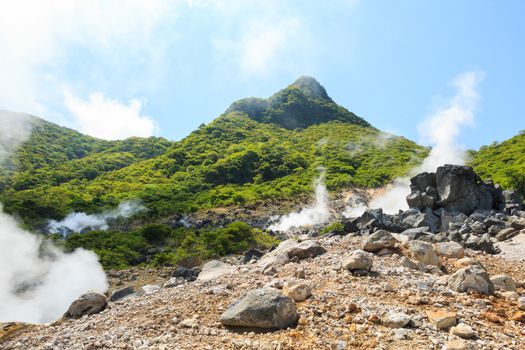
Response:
column 114, row 69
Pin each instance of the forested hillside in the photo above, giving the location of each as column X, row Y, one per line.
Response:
column 248, row 154
column 503, row 162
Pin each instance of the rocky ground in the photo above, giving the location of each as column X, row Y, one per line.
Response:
column 384, row 308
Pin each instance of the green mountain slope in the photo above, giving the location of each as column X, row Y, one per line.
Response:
column 248, row 155
column 503, row 162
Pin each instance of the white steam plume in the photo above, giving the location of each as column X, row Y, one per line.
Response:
column 15, row 129
column 317, row 214
column 441, row 131
column 77, row 222
column 39, row 281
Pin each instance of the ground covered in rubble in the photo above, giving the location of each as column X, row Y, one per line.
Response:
column 345, row 311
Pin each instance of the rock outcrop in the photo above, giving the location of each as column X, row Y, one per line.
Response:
column 456, row 189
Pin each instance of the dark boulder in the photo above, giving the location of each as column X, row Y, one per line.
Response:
column 186, row 273
column 252, row 254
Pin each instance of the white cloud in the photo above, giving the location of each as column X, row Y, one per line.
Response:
column 261, row 46
column 109, row 119
column 268, row 38
column 36, row 38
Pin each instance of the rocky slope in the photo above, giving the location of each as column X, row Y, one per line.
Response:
column 390, row 306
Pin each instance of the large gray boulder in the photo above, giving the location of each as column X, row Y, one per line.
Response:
column 473, row 277
column 261, row 308
column 288, row 250
column 306, row 250
column 88, row 304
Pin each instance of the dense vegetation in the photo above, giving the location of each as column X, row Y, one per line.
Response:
column 160, row 245
column 503, row 162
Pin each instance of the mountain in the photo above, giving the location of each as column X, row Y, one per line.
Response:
column 302, row 104
column 503, row 162
column 258, row 150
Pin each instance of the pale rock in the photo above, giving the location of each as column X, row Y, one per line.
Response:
column 297, row 290
column 148, row 289
column 406, row 262
column 503, row 282
column 474, row 277
column 214, row 269
column 357, row 260
column 423, row 253
column 463, row 330
column 395, row 319
column 521, row 303
column 449, row 250
column 379, row 240
column 460, row 345
column 442, row 319
column 173, row 282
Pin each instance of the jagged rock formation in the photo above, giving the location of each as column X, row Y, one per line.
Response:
column 455, row 189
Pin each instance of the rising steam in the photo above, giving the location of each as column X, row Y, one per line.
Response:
column 38, row 281
column 78, row 222
column 15, row 129
column 441, row 130
column 317, row 214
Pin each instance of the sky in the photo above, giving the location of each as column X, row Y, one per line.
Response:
column 114, row 69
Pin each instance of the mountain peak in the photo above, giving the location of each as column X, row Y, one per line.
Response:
column 310, row 87
column 303, row 103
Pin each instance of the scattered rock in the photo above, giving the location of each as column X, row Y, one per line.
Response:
column 306, row 250
column 122, row 293
column 358, row 260
column 474, row 278
column 252, row 254
column 213, row 269
column 379, row 240
column 148, row 289
column 442, row 319
column 88, row 304
column 521, row 303
column 173, row 282
column 395, row 319
column 449, row 250
column 460, row 345
column 518, row 316
column 261, row 308
column 463, row 330
column 297, row 290
column 423, row 253
column 503, row 282
column 507, row 233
